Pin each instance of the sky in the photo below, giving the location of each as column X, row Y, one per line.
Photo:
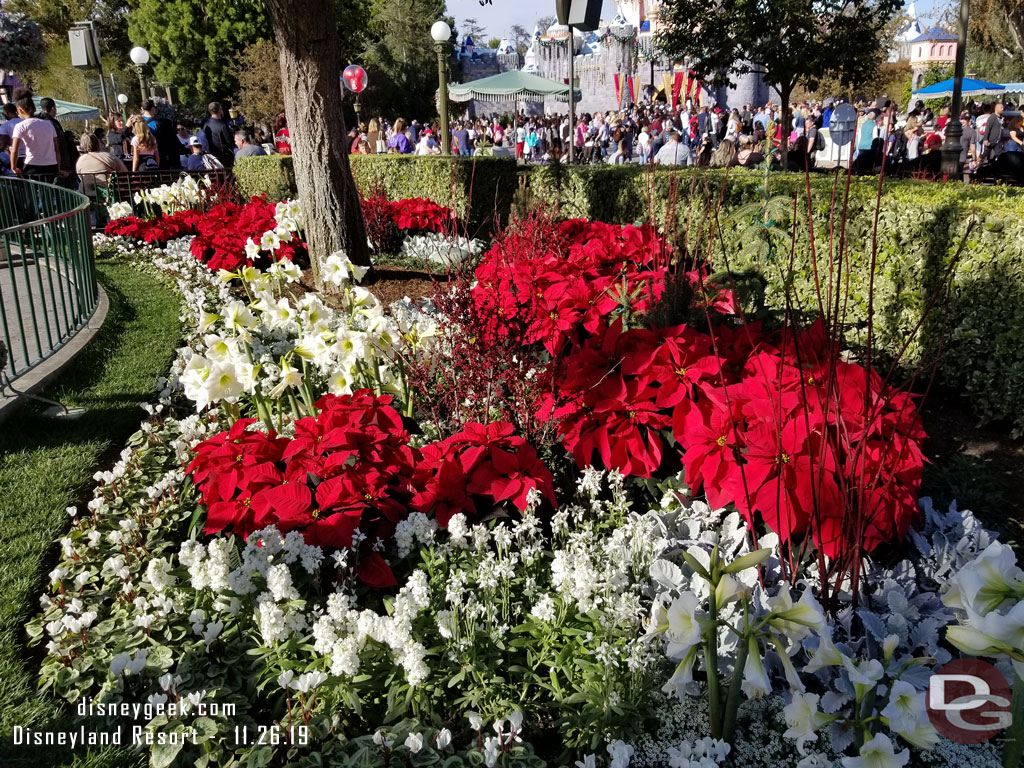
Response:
column 498, row 17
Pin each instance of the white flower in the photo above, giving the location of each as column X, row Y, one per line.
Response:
column 381, row 739
column 476, row 722
column 683, row 626
column 443, row 738
column 804, row 719
column 285, row 679
column 878, row 753
column 252, row 249
column 588, row 761
column 492, row 746
column 865, row 675
column 414, row 742
column 987, row 581
column 308, row 681
column 621, row 753
column 270, row 241
column 755, row 684
column 796, row 620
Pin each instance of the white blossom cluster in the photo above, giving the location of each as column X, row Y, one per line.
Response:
column 171, row 198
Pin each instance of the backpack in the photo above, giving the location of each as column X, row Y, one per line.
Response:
column 819, row 141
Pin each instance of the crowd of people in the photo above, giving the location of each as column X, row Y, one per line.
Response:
column 909, row 141
column 33, row 142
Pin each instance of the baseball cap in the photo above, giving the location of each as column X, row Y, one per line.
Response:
column 193, row 141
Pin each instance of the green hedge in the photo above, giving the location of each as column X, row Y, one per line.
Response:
column 484, row 185
column 977, row 334
column 271, row 175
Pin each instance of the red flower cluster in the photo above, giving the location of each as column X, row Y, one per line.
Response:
column 222, row 232
column 351, row 467
column 549, row 289
column 157, row 231
column 779, row 427
column 485, row 461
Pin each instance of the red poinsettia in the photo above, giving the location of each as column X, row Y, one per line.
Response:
column 351, row 468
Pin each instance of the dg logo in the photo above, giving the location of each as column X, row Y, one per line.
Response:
column 969, row 701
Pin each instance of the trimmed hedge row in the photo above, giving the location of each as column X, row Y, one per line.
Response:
column 977, row 334
column 484, row 185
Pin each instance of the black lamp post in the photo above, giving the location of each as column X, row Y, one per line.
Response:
column 954, row 131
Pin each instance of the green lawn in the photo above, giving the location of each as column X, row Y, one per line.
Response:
column 46, row 465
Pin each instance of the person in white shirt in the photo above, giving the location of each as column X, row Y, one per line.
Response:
column 39, row 138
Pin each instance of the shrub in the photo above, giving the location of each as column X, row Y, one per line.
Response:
column 272, row 176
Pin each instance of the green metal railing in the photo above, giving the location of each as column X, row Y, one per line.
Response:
column 47, row 274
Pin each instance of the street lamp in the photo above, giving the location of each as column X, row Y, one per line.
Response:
column 140, row 57
column 122, row 99
column 954, row 131
column 442, row 34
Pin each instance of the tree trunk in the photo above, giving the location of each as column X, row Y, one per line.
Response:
column 308, row 43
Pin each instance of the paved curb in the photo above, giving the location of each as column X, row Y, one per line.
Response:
column 50, row 368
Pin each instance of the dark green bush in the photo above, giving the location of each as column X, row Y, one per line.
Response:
column 976, row 333
column 272, row 176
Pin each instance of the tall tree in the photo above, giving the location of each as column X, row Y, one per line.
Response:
column 1000, row 22
column 474, row 29
column 791, row 41
column 21, row 43
column 995, row 45
column 520, row 38
column 192, row 45
column 544, row 22
column 56, row 16
column 307, row 39
column 257, row 68
column 400, row 59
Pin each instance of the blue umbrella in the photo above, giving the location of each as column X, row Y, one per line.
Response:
column 971, row 87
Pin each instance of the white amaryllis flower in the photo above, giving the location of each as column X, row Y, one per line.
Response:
column 878, row 753
column 864, row 675
column 290, row 378
column 756, row 684
column 993, row 634
column 238, row 317
column 276, row 314
column 285, row 269
column 223, row 384
column 987, row 581
column 683, row 625
column 804, row 719
column 826, row 655
column 906, row 706
column 796, row 620
column 270, row 241
column 252, row 249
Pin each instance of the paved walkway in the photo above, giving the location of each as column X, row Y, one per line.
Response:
column 38, row 291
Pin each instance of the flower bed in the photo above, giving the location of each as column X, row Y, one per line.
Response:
column 523, row 522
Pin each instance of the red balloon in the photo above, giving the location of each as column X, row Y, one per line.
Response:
column 354, row 78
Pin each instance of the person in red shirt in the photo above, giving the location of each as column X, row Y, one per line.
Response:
column 282, row 138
